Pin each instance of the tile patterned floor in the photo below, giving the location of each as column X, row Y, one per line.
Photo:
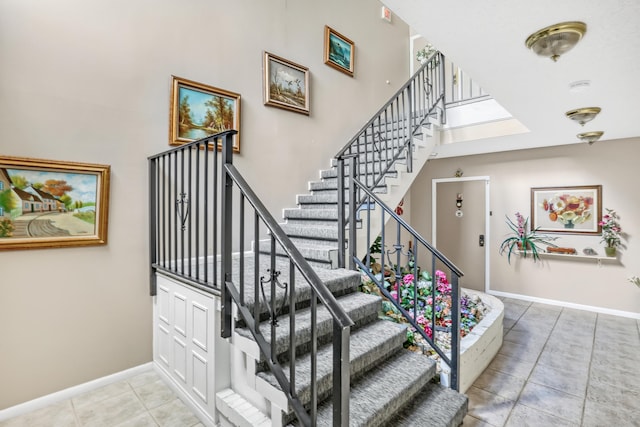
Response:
column 560, row 367
column 557, row 367
column 141, row 401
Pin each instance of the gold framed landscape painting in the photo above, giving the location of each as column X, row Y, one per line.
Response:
column 574, row 210
column 338, row 51
column 286, row 84
column 198, row 110
column 48, row 203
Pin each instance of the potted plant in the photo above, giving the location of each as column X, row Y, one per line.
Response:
column 611, row 232
column 523, row 240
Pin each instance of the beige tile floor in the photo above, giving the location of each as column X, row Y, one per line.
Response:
column 141, row 401
column 560, row 367
column 557, row 367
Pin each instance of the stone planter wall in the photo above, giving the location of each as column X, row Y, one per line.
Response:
column 480, row 346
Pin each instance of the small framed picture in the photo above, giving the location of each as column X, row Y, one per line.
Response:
column 198, row 111
column 574, row 210
column 338, row 51
column 50, row 204
column 286, row 84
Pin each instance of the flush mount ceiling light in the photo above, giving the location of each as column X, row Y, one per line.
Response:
column 583, row 115
column 557, row 39
column 590, row 137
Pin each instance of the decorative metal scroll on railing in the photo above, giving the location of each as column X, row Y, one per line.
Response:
column 184, row 207
column 246, row 293
column 198, row 235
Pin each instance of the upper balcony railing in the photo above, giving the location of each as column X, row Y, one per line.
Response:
column 461, row 89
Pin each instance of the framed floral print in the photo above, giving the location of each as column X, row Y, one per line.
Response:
column 575, row 210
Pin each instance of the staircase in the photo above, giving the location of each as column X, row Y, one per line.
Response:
column 313, row 225
column 389, row 384
column 313, row 349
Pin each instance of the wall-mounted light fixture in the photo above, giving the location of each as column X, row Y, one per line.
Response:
column 583, row 115
column 556, row 40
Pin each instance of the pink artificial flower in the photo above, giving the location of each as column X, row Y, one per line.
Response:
column 408, row 279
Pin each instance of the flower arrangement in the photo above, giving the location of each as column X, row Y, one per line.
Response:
column 425, row 53
column 568, row 209
column 420, row 292
column 524, row 240
column 611, row 230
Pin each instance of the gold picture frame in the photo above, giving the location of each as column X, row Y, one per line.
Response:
column 338, row 51
column 286, row 84
column 52, row 204
column 198, row 110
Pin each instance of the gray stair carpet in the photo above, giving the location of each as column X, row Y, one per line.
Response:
column 389, row 385
column 368, row 346
column 313, row 225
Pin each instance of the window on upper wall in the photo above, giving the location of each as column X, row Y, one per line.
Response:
column 1, row 185
column 1, row 211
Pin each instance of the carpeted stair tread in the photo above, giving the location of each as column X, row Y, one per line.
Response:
column 324, row 197
column 312, row 214
column 333, row 172
column 378, row 397
column 434, row 406
column 339, row 280
column 362, row 309
column 368, row 345
column 314, row 250
column 331, row 184
column 312, row 231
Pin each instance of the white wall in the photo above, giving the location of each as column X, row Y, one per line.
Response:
column 612, row 164
column 90, row 81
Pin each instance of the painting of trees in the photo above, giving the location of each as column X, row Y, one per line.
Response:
column 219, row 115
column 56, row 187
column 184, row 114
column 19, row 181
column 7, row 201
column 199, row 111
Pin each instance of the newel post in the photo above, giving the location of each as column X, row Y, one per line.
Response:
column 226, row 233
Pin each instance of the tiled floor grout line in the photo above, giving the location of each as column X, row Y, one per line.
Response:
column 586, row 390
column 526, row 381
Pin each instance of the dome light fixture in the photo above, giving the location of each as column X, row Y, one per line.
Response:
column 590, row 137
column 556, row 40
column 583, row 115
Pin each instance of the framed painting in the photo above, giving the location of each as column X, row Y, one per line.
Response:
column 198, row 111
column 575, row 210
column 286, row 84
column 49, row 204
column 338, row 51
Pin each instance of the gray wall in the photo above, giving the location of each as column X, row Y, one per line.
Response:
column 89, row 81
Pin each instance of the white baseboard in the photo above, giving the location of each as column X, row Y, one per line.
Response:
column 603, row 310
column 71, row 392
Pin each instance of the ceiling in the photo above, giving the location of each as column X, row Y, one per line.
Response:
column 487, row 40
